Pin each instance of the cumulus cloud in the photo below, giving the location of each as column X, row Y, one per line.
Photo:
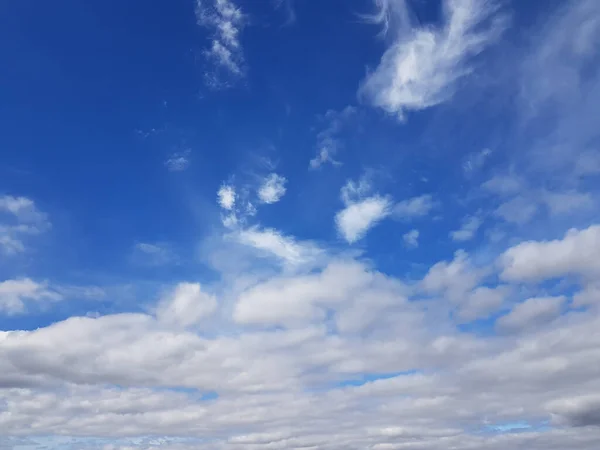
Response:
column 424, row 63
column 575, row 254
column 225, row 21
column 185, row 305
column 533, row 311
column 356, row 219
column 272, row 243
column 14, row 295
column 226, row 197
column 272, row 189
column 468, row 229
column 411, row 239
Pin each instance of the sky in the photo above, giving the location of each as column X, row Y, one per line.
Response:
column 300, row 224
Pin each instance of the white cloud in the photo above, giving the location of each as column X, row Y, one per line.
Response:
column 454, row 279
column 475, row 161
column 503, row 185
column 14, row 294
column 568, row 202
column 272, row 189
column 468, row 229
column 21, row 219
column 273, row 243
column 589, row 296
column 414, row 207
column 519, row 210
column 154, row 254
column 178, row 162
column 534, row 311
column 481, row 302
column 422, row 66
column 328, row 141
column 575, row 254
column 356, row 219
column 226, row 197
column 225, row 21
column 411, row 239
column 186, row 305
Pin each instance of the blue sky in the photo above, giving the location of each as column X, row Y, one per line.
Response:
column 289, row 223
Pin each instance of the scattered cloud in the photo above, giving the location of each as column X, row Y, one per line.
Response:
column 475, row 161
column 411, row 239
column 468, row 229
column 423, row 65
column 362, row 212
column 178, row 161
column 185, row 305
column 519, row 210
column 14, row 295
column 272, row 189
column 225, row 21
column 272, row 243
column 19, row 218
column 328, row 141
column 226, row 197
column 414, row 207
column 568, row 202
column 153, row 254
column 575, row 254
column 287, row 7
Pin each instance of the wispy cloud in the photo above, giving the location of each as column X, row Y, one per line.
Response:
column 328, row 141
column 421, row 67
column 224, row 20
column 14, row 294
column 19, row 218
column 414, row 207
column 411, row 239
column 178, row 161
column 153, row 254
column 468, row 229
column 272, row 189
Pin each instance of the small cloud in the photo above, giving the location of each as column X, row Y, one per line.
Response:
column 568, row 202
column 19, row 218
column 504, row 185
column 532, row 312
column 356, row 219
column 468, row 229
column 225, row 21
column 272, row 189
column 155, row 254
column 178, row 162
column 411, row 239
column 14, row 295
column 423, row 65
column 475, row 161
column 414, row 207
column 519, row 210
column 273, row 243
column 226, row 197
column 328, row 142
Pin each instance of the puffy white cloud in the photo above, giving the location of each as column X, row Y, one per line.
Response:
column 414, row 207
column 356, row 219
column 185, row 305
column 575, row 254
column 468, row 229
column 421, row 67
column 533, row 311
column 481, row 302
column 411, row 239
column 14, row 294
column 226, row 197
column 272, row 189
column 455, row 278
